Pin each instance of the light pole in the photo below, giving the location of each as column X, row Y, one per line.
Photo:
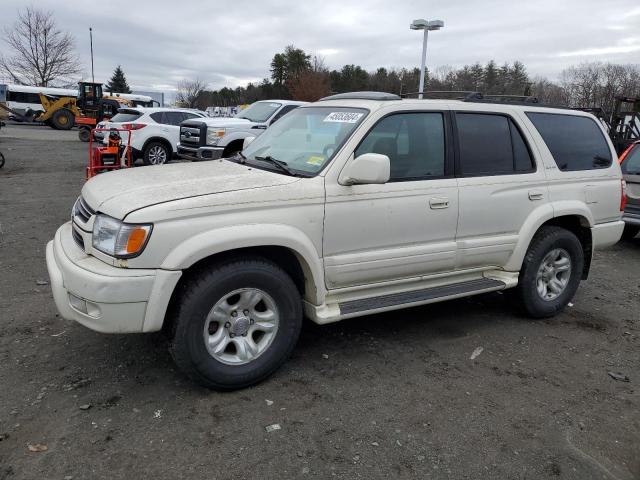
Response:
column 422, row 24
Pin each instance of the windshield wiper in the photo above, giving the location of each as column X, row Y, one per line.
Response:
column 278, row 163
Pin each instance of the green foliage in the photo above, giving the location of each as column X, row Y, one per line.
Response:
column 118, row 82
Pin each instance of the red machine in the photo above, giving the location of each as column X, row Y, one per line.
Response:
column 112, row 156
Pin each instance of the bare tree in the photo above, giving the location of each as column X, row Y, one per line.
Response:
column 42, row 53
column 189, row 92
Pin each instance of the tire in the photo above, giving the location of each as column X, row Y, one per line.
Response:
column 84, row 133
column 630, row 231
column 192, row 323
column 546, row 243
column 232, row 149
column 1, row 160
column 156, row 153
column 62, row 119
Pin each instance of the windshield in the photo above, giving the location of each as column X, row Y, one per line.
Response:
column 306, row 138
column 259, row 111
column 631, row 164
column 126, row 116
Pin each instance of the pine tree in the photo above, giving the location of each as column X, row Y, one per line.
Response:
column 118, row 82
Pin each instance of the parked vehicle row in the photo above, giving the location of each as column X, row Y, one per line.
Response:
column 630, row 163
column 356, row 204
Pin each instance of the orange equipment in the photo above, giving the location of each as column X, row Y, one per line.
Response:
column 113, row 156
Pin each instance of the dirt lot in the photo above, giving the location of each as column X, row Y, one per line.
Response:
column 385, row 396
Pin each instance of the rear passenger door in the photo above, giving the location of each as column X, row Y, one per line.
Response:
column 499, row 187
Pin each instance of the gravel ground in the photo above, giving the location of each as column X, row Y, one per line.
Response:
column 386, row 396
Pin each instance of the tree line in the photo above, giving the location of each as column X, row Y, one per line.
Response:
column 298, row 75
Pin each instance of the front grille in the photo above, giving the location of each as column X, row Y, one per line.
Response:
column 77, row 238
column 82, row 210
column 193, row 135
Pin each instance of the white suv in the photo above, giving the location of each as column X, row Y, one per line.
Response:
column 353, row 205
column 154, row 131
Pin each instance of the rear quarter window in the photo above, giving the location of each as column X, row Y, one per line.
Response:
column 128, row 116
column 575, row 142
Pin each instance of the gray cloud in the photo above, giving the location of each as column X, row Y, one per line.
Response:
column 230, row 43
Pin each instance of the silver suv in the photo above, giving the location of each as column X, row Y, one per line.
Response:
column 356, row 204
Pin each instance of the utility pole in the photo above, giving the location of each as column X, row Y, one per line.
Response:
column 93, row 78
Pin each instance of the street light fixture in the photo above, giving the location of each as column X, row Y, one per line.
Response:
column 426, row 25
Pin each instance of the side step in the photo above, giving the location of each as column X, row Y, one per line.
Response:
column 394, row 299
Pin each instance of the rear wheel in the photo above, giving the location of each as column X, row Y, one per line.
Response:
column 551, row 272
column 235, row 324
column 62, row 119
column 630, row 231
column 84, row 133
column 156, row 153
column 1, row 160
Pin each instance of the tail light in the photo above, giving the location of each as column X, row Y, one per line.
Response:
column 623, row 195
column 133, row 126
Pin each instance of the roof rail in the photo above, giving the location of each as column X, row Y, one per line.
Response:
column 362, row 96
column 444, row 94
column 510, row 99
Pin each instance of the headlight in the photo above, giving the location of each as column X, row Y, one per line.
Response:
column 214, row 135
column 118, row 239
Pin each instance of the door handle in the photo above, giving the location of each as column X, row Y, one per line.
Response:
column 535, row 195
column 438, row 202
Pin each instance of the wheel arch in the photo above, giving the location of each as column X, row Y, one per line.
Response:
column 282, row 244
column 577, row 221
column 162, row 140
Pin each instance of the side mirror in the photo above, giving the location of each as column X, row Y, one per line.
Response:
column 247, row 141
column 369, row 168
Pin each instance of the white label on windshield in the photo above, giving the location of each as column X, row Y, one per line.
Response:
column 343, row 117
column 274, row 105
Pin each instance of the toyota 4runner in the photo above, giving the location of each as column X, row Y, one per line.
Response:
column 356, row 204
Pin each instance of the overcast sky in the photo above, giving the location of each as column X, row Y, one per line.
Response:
column 230, row 43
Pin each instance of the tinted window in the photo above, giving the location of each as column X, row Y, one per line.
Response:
column 173, row 118
column 414, row 143
column 126, row 116
column 286, row 109
column 631, row 164
column 576, row 143
column 491, row 145
column 189, row 116
column 158, row 117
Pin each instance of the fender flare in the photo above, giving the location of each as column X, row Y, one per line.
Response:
column 539, row 217
column 221, row 240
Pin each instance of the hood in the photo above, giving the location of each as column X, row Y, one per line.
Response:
column 221, row 122
column 121, row 192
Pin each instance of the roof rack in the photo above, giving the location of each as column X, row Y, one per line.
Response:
column 444, row 94
column 362, row 96
column 510, row 99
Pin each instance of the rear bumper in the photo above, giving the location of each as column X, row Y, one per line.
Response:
column 606, row 234
column 200, row 153
column 631, row 218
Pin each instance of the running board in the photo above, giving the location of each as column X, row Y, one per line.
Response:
column 416, row 296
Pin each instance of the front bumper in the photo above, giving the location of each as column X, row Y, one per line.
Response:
column 102, row 297
column 199, row 153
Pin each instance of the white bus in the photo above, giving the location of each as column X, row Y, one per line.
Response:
column 25, row 100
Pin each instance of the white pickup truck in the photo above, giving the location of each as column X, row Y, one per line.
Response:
column 213, row 138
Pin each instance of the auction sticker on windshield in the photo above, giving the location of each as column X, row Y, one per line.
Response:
column 343, row 117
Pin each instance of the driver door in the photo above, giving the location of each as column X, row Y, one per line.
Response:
column 406, row 227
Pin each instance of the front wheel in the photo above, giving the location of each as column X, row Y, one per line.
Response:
column 236, row 323
column 551, row 272
column 84, row 133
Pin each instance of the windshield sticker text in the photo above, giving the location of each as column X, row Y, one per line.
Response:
column 343, row 117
